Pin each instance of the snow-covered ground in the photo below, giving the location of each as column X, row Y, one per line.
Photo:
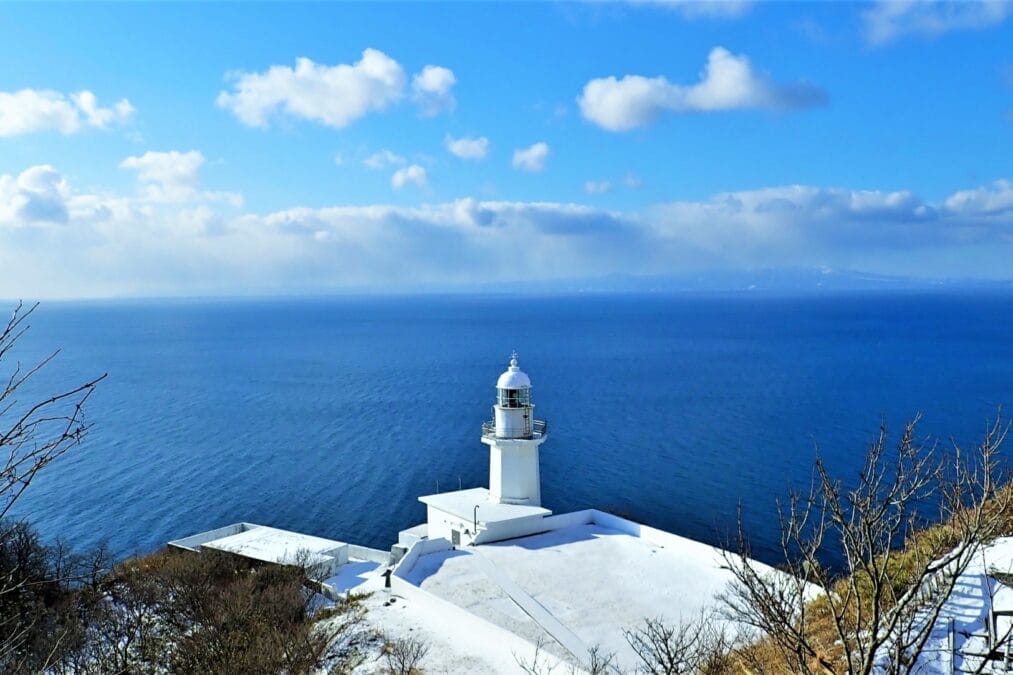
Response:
column 354, row 574
column 482, row 609
column 967, row 610
column 579, row 585
column 457, row 642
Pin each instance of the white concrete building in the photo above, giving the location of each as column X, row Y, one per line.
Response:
column 512, row 504
column 265, row 544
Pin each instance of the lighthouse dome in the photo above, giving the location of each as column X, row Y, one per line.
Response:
column 514, row 377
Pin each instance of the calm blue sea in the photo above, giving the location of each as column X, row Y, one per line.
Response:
column 330, row 416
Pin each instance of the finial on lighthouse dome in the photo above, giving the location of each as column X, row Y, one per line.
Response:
column 514, row 377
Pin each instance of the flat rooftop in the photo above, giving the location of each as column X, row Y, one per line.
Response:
column 577, row 587
column 269, row 544
column 462, row 503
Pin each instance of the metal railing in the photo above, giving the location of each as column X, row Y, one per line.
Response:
column 536, row 429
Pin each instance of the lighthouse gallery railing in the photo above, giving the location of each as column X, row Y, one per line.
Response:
column 536, row 429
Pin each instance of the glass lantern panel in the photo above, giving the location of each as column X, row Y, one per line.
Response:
column 513, row 398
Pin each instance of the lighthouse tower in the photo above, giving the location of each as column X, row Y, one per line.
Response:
column 513, row 437
column 512, row 504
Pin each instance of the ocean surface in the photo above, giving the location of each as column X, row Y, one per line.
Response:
column 330, row 416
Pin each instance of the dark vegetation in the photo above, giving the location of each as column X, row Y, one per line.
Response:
column 168, row 612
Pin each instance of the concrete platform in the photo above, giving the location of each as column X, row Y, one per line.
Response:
column 270, row 545
column 468, row 516
column 462, row 503
column 577, row 586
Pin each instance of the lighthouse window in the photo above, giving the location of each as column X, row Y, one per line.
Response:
column 514, row 398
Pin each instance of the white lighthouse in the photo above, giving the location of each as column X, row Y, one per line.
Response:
column 512, row 504
column 513, row 437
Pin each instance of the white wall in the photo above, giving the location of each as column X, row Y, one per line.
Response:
column 511, row 529
column 419, row 548
column 564, row 520
column 514, row 474
column 512, row 423
column 441, row 524
column 371, row 554
column 411, row 535
column 194, row 541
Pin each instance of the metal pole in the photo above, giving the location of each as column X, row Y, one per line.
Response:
column 951, row 642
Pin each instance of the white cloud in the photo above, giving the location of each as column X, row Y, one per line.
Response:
column 597, row 187
column 172, row 176
column 889, row 20
column 431, row 90
column 97, row 116
column 56, row 241
column 727, row 82
column 32, row 110
column 37, row 195
column 703, row 9
column 334, row 96
column 468, row 148
column 531, row 158
column 167, row 168
column 414, row 175
column 994, row 199
column 383, row 159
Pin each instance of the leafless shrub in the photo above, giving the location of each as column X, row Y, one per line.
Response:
column 878, row 613
column 601, row 662
column 404, row 656
column 697, row 645
column 349, row 637
column 597, row 662
column 33, row 435
column 537, row 664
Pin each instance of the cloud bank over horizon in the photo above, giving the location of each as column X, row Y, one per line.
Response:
column 173, row 238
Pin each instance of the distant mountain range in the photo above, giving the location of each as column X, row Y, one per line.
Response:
column 781, row 281
column 790, row 280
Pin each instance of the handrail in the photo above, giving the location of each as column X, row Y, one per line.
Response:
column 538, row 428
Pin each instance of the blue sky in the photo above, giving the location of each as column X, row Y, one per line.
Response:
column 220, row 149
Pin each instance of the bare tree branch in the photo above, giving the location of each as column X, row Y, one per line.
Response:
column 40, row 432
column 876, row 614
